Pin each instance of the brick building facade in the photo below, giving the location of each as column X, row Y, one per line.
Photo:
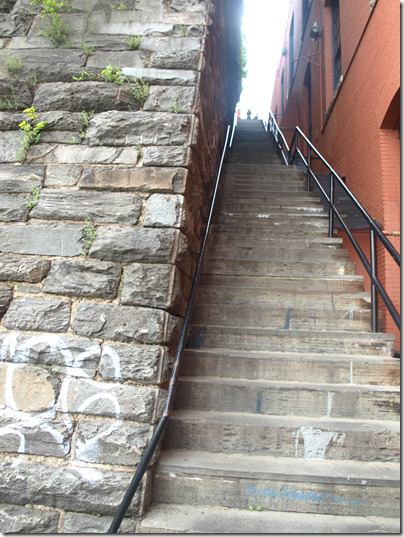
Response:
column 343, row 90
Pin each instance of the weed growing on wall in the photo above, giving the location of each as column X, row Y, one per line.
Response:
column 88, row 51
column 175, row 107
column 12, row 63
column 109, row 74
column 139, row 151
column 32, row 199
column 140, row 90
column 32, row 132
column 5, row 103
column 133, row 41
column 89, row 234
column 85, row 118
column 55, row 29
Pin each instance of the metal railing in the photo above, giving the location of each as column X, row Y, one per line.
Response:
column 162, row 424
column 291, row 157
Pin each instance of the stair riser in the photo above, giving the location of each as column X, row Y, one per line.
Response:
column 280, row 400
column 354, row 285
column 202, row 338
column 269, row 217
column 239, row 298
column 276, row 231
column 282, row 441
column 276, row 495
column 334, row 370
column 294, row 319
column 278, row 254
column 269, row 268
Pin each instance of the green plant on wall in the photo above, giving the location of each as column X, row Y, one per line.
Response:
column 55, row 29
column 133, row 41
column 175, row 107
column 12, row 63
column 89, row 234
column 32, row 132
column 32, row 199
column 6, row 104
column 109, row 74
column 140, row 90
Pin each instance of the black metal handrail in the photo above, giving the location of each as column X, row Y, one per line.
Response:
column 291, row 157
column 162, row 424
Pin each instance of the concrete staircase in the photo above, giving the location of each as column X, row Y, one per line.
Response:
column 287, row 401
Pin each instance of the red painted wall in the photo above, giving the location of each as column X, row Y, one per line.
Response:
column 356, row 127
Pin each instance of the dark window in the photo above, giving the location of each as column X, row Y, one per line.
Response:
column 283, row 90
column 292, row 50
column 336, row 42
column 305, row 9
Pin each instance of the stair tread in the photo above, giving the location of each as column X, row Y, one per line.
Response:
column 261, row 467
column 185, row 518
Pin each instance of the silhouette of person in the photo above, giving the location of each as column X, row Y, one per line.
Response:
column 248, row 114
column 238, row 114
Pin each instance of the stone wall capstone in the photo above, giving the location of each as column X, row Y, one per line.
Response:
column 98, row 218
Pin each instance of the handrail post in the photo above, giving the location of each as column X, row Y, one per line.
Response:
column 296, row 153
column 373, row 265
column 331, row 214
column 308, row 167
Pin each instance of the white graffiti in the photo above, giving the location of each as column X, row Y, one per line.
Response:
column 108, row 351
column 316, row 442
column 96, row 396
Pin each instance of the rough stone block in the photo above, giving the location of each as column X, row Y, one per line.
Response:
column 162, row 77
column 170, row 44
column 83, row 278
column 139, row 245
column 166, row 156
column 92, row 398
column 144, row 128
column 53, row 137
column 41, row 240
column 98, row 206
column 14, row 24
column 51, row 65
column 38, row 314
column 31, row 289
column 164, row 98
column 79, row 96
column 163, row 210
column 6, row 295
column 139, row 363
column 56, row 121
column 90, row 490
column 27, row 388
column 106, row 442
column 17, row 519
column 124, row 323
column 79, row 154
column 176, row 60
column 49, row 349
column 13, row 208
column 134, row 179
column 156, row 286
column 20, row 179
column 63, row 175
column 13, row 95
column 10, row 145
column 35, row 436
column 77, row 523
column 187, row 6
column 127, row 58
column 23, row 269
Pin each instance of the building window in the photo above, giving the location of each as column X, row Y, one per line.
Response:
column 292, row 51
column 336, row 42
column 305, row 13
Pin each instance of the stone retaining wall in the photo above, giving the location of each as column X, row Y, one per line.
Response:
column 97, row 226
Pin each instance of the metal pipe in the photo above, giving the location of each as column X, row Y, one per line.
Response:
column 331, row 213
column 162, row 424
column 308, row 167
column 373, row 265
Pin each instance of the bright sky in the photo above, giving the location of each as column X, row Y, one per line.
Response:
column 264, row 27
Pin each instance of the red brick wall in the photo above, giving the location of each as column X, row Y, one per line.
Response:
column 354, row 136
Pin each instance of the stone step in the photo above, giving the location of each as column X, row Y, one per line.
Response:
column 245, row 188
column 253, row 210
column 297, row 225
column 288, row 367
column 283, row 230
column 317, row 300
column 237, row 481
column 276, row 268
column 335, row 284
column 306, row 341
column 273, row 436
column 270, row 216
column 284, row 254
column 186, row 518
column 283, row 318
column 258, row 181
column 275, row 242
column 278, row 398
